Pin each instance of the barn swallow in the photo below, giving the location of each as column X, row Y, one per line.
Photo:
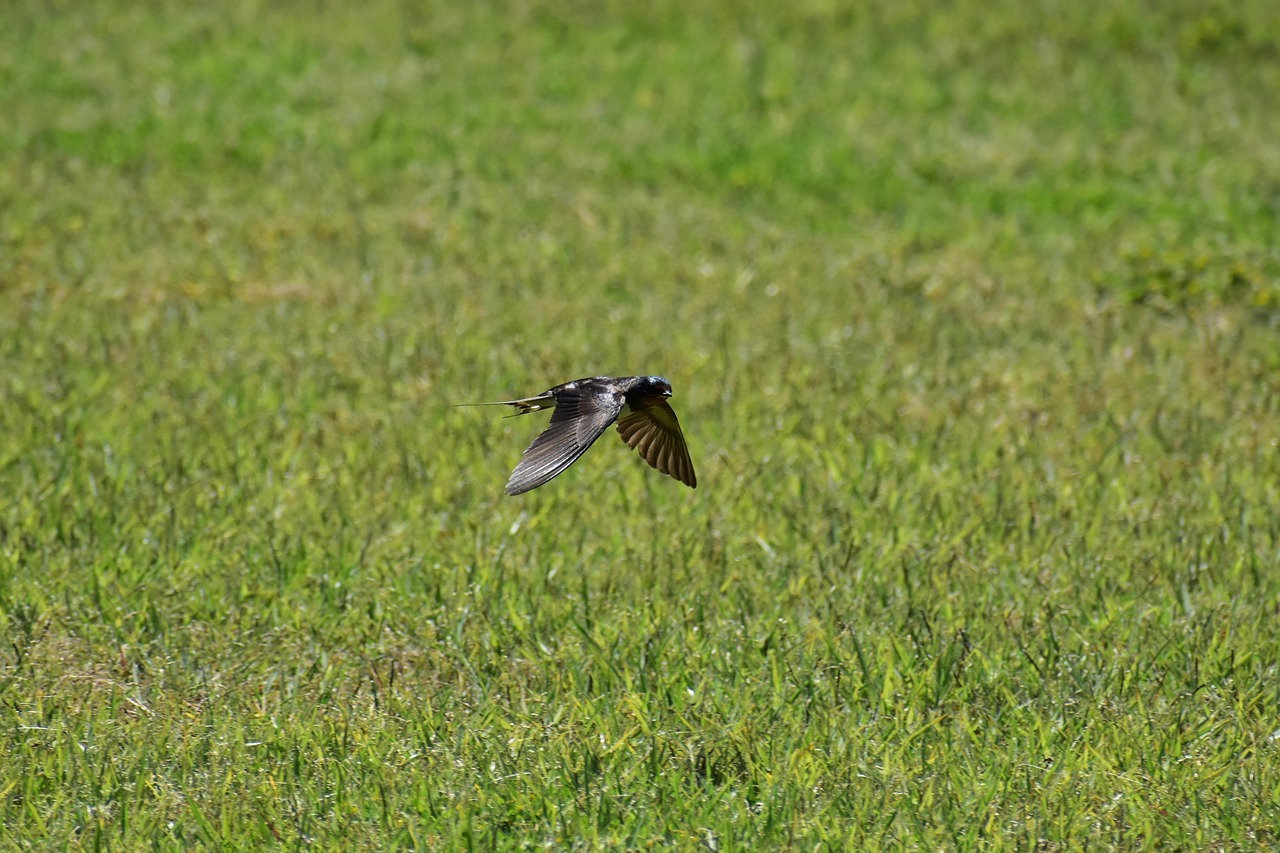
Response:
column 584, row 408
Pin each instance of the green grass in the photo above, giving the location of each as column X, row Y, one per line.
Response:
column 971, row 311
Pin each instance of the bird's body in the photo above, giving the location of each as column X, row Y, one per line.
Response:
column 584, row 409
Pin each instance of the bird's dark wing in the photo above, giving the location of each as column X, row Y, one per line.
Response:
column 652, row 429
column 582, row 415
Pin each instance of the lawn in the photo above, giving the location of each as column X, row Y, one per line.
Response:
column 972, row 312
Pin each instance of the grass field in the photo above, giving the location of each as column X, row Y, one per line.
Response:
column 972, row 311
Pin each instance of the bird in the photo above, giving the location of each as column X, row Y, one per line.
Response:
column 583, row 410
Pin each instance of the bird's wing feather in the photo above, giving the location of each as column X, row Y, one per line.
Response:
column 652, row 429
column 581, row 416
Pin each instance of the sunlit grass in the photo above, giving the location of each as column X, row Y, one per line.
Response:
column 971, row 319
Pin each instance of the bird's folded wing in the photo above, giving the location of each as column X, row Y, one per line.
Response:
column 655, row 433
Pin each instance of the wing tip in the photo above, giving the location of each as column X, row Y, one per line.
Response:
column 519, row 483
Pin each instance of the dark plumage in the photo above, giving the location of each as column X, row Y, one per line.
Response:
column 584, row 408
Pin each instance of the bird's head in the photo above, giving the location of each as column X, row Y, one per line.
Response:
column 655, row 386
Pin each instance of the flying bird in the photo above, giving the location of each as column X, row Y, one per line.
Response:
column 584, row 408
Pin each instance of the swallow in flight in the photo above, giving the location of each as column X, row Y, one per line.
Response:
column 584, row 408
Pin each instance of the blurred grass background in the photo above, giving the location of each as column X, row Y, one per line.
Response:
column 971, row 314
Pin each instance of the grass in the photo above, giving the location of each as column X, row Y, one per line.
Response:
column 971, row 313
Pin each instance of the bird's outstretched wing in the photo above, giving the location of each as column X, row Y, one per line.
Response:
column 581, row 416
column 652, row 429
